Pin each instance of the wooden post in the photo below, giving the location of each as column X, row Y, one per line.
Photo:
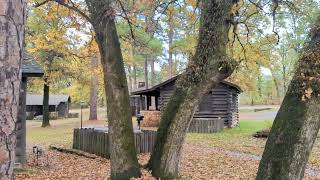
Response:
column 21, row 124
column 147, row 102
column 140, row 102
column 156, row 102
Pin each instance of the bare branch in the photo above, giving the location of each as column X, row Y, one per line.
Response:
column 127, row 18
column 256, row 4
column 42, row 3
column 71, row 7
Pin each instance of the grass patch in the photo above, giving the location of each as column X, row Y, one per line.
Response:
column 246, row 128
column 61, row 135
column 235, row 139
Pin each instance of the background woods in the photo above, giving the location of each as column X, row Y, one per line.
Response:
column 155, row 45
column 116, row 60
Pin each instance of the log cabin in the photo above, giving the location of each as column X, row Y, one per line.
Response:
column 58, row 104
column 217, row 109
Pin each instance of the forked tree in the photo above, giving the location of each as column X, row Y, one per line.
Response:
column 12, row 22
column 205, row 70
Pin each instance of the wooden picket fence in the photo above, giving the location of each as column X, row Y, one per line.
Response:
column 97, row 142
column 206, row 125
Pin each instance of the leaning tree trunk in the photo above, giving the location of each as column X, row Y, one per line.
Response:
column 298, row 121
column 45, row 109
column 12, row 20
column 124, row 163
column 205, row 70
column 94, row 88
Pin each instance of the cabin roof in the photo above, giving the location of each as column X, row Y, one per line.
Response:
column 37, row 99
column 154, row 88
column 30, row 68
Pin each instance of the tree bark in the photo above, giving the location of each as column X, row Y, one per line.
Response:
column 12, row 21
column 45, row 109
column 94, row 88
column 298, row 121
column 205, row 70
column 124, row 163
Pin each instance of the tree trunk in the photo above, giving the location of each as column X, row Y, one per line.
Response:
column 284, row 72
column 130, row 78
column 124, row 163
column 45, row 109
column 170, row 37
column 150, row 29
column 12, row 21
column 134, row 77
column 259, row 84
column 146, row 72
column 298, row 121
column 275, row 81
column 205, row 70
column 153, row 74
column 94, row 88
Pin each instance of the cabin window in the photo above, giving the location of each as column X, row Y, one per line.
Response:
column 205, row 103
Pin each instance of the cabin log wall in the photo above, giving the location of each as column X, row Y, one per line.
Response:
column 223, row 106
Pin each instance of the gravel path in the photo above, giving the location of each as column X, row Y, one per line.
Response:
column 310, row 171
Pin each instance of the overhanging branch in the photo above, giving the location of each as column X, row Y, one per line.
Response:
column 71, row 7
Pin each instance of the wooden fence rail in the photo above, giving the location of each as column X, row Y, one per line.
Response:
column 97, row 142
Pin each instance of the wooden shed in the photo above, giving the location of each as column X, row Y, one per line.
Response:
column 57, row 103
column 219, row 107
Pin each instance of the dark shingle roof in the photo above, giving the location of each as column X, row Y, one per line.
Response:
column 143, row 90
column 30, row 68
column 37, row 99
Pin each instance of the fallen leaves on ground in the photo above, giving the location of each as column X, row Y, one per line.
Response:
column 56, row 165
column 199, row 161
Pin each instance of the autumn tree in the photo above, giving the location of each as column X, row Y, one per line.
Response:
column 46, row 41
column 12, row 22
column 205, row 70
column 297, row 123
column 101, row 15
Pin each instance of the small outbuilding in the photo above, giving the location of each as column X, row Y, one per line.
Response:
column 217, row 109
column 58, row 104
